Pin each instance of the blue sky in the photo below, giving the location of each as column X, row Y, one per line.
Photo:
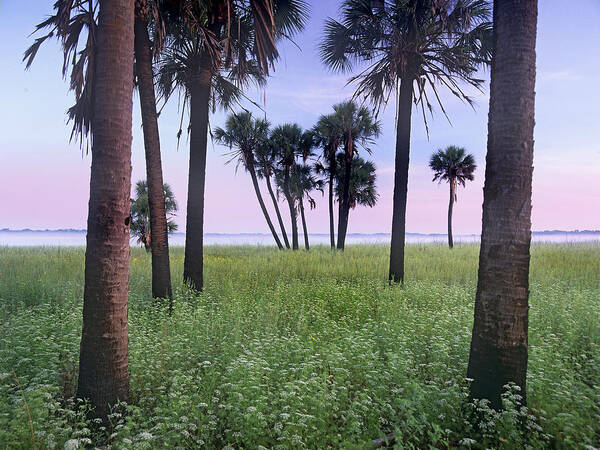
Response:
column 44, row 180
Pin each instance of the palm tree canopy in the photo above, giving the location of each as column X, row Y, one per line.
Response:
column 362, row 182
column 303, row 182
column 266, row 158
column 289, row 142
column 434, row 42
column 326, row 135
column 243, row 133
column 453, row 164
column 272, row 20
column 75, row 25
column 71, row 23
column 355, row 125
column 140, row 209
column 234, row 40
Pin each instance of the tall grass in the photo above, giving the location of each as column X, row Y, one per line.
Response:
column 301, row 349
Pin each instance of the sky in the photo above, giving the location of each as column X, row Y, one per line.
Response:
column 44, row 179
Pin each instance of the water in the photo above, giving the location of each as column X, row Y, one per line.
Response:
column 77, row 238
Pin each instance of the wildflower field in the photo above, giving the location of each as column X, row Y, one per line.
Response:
column 301, row 349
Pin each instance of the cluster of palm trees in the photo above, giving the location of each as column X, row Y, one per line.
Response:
column 209, row 51
column 302, row 161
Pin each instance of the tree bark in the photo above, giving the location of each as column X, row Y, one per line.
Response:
column 345, row 202
column 290, row 201
column 401, row 181
column 331, row 224
column 194, row 232
column 305, row 231
column 277, row 212
column 498, row 353
column 103, row 360
column 450, row 207
column 262, row 204
column 159, row 237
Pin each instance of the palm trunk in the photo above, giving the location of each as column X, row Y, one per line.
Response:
column 401, row 181
column 331, row 224
column 499, row 345
column 450, row 207
column 194, row 232
column 161, row 271
column 306, row 244
column 277, row 212
column 344, row 203
column 262, row 204
column 290, row 201
column 103, row 360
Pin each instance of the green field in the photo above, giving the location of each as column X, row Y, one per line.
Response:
column 290, row 350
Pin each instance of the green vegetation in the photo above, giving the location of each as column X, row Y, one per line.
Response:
column 293, row 349
column 140, row 213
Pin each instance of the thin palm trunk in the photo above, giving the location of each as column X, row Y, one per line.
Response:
column 331, row 222
column 277, row 212
column 401, row 181
column 194, row 233
column 306, row 244
column 159, row 238
column 261, row 202
column 290, row 201
column 498, row 352
column 450, row 207
column 344, row 203
column 103, row 360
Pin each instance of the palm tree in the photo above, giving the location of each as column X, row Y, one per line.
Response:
column 356, row 126
column 212, row 39
column 101, row 76
column 141, row 222
column 246, row 134
column 499, row 345
column 454, row 166
column 148, row 15
column 265, row 168
column 302, row 183
column 408, row 47
column 362, row 182
column 289, row 142
column 326, row 136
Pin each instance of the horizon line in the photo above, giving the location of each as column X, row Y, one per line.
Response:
column 82, row 230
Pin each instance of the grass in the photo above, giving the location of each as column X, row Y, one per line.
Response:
column 290, row 350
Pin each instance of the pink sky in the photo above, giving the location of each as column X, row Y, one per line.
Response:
column 44, row 181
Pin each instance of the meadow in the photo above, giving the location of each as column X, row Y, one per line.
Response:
column 301, row 349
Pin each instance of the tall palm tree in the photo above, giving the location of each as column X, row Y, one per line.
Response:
column 356, row 127
column 289, row 142
column 499, row 345
column 148, row 16
column 362, row 190
column 454, row 166
column 302, row 183
column 266, row 159
column 326, row 135
column 141, row 223
column 103, row 361
column 408, row 48
column 212, row 39
column 246, row 134
column 101, row 76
